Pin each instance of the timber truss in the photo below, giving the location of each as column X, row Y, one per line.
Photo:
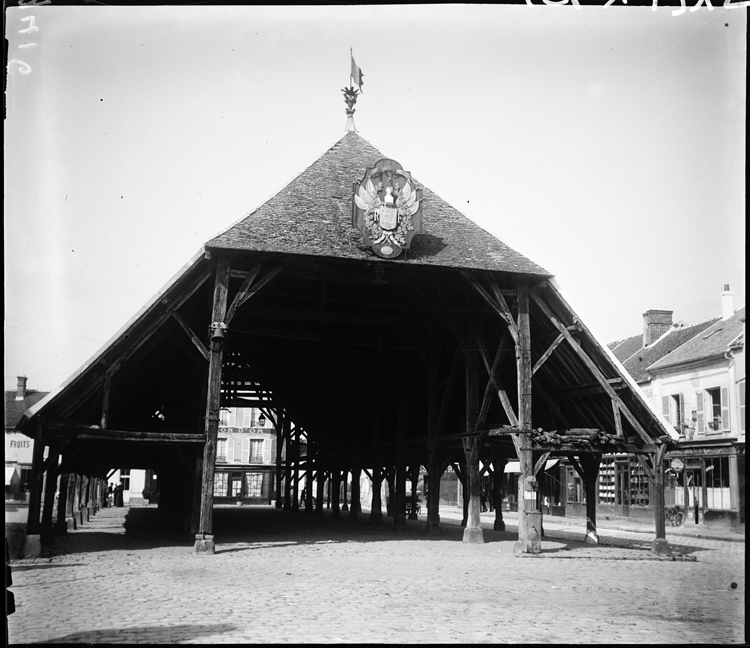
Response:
column 371, row 367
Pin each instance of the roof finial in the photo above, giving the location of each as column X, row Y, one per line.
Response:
column 350, row 94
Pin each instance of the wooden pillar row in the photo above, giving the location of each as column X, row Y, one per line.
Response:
column 471, row 445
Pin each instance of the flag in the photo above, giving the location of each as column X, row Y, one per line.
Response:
column 356, row 74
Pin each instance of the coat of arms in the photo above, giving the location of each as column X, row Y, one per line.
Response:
column 387, row 208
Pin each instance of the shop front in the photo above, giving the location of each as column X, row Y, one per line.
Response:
column 707, row 483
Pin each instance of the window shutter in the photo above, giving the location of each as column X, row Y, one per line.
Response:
column 245, row 450
column 683, row 412
column 230, row 450
column 725, row 408
column 266, row 452
column 700, row 425
column 665, row 408
column 742, row 406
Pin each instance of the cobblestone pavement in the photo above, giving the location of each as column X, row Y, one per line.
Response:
column 283, row 577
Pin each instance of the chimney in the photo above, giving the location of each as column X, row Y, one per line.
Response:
column 727, row 303
column 21, row 389
column 655, row 324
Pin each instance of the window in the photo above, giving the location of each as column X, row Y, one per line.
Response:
column 717, row 483
column 247, row 417
column 221, row 450
column 741, row 390
column 125, row 478
column 224, row 418
column 607, row 482
column 25, row 480
column 715, row 409
column 639, row 486
column 673, row 411
column 245, row 450
column 232, row 419
column 220, row 484
column 256, row 451
column 254, row 482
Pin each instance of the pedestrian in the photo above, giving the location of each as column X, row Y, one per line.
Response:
column 302, row 497
column 483, row 499
column 110, row 495
column 118, row 494
column 491, row 501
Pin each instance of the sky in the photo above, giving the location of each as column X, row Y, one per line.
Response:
column 606, row 144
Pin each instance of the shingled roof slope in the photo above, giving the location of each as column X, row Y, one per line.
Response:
column 623, row 349
column 312, row 216
column 640, row 362
column 713, row 341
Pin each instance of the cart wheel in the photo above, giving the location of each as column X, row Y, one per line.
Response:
column 678, row 519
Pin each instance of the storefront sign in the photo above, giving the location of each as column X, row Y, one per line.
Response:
column 677, row 465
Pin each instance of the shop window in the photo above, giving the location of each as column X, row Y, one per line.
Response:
column 256, row 451
column 576, row 489
column 220, row 484
column 607, row 482
column 717, row 483
column 25, row 480
column 254, row 482
column 639, row 484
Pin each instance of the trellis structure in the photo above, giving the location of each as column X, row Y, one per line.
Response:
column 459, row 352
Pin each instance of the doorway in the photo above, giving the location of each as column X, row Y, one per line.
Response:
column 694, row 495
column 622, row 489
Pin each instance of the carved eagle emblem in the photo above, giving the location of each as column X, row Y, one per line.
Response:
column 387, row 208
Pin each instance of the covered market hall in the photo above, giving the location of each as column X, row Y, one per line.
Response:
column 382, row 331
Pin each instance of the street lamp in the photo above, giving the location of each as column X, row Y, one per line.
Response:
column 262, row 420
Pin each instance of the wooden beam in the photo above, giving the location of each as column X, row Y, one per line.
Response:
column 247, row 290
column 541, row 461
column 193, row 337
column 618, row 420
column 498, row 305
column 592, row 368
column 105, row 400
column 95, row 433
column 547, row 353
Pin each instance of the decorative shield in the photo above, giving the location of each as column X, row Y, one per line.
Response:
column 387, row 208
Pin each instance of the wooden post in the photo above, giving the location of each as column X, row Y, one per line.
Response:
column 355, row 507
column 50, row 487
column 35, row 496
column 204, row 539
column 529, row 531
column 197, row 489
column 376, row 508
column 660, row 545
column 399, row 501
column 414, row 479
column 61, row 526
column 472, row 483
column 321, row 488
column 334, row 492
column 344, row 489
column 70, row 520
column 591, row 465
column 309, row 482
column 288, row 464
column 279, row 449
column 498, row 475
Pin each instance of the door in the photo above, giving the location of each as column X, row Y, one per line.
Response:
column 235, row 486
column 622, row 489
column 694, row 494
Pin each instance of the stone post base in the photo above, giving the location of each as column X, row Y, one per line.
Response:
column 433, row 528
column 499, row 525
column 376, row 518
column 31, row 546
column 592, row 537
column 660, row 547
column 204, row 544
column 473, row 536
column 46, row 535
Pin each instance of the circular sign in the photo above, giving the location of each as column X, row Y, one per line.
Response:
column 677, row 465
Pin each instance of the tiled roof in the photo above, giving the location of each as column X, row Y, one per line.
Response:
column 14, row 409
column 643, row 359
column 312, row 216
column 626, row 348
column 713, row 341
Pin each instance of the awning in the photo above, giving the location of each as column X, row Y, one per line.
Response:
column 9, row 472
column 515, row 466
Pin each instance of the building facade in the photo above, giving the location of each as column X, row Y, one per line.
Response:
column 18, row 447
column 695, row 377
column 245, row 457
